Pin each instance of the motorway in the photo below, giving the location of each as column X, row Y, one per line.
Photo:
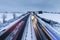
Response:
column 29, row 27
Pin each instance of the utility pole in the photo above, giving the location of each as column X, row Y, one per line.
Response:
column 4, row 17
column 14, row 16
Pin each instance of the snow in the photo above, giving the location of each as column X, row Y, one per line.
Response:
column 9, row 16
column 17, row 14
column 1, row 18
column 10, row 25
column 57, row 28
column 54, row 17
column 55, row 33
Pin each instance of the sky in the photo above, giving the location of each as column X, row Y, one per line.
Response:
column 28, row 5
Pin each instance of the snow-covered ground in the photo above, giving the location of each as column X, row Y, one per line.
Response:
column 1, row 18
column 17, row 14
column 10, row 25
column 8, row 16
column 54, row 17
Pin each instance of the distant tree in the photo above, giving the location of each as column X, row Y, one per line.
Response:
column 29, row 12
column 34, row 12
column 40, row 12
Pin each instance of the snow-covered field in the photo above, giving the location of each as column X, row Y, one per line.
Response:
column 8, row 16
column 54, row 17
column 1, row 18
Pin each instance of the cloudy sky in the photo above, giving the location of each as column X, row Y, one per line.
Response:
column 26, row 5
